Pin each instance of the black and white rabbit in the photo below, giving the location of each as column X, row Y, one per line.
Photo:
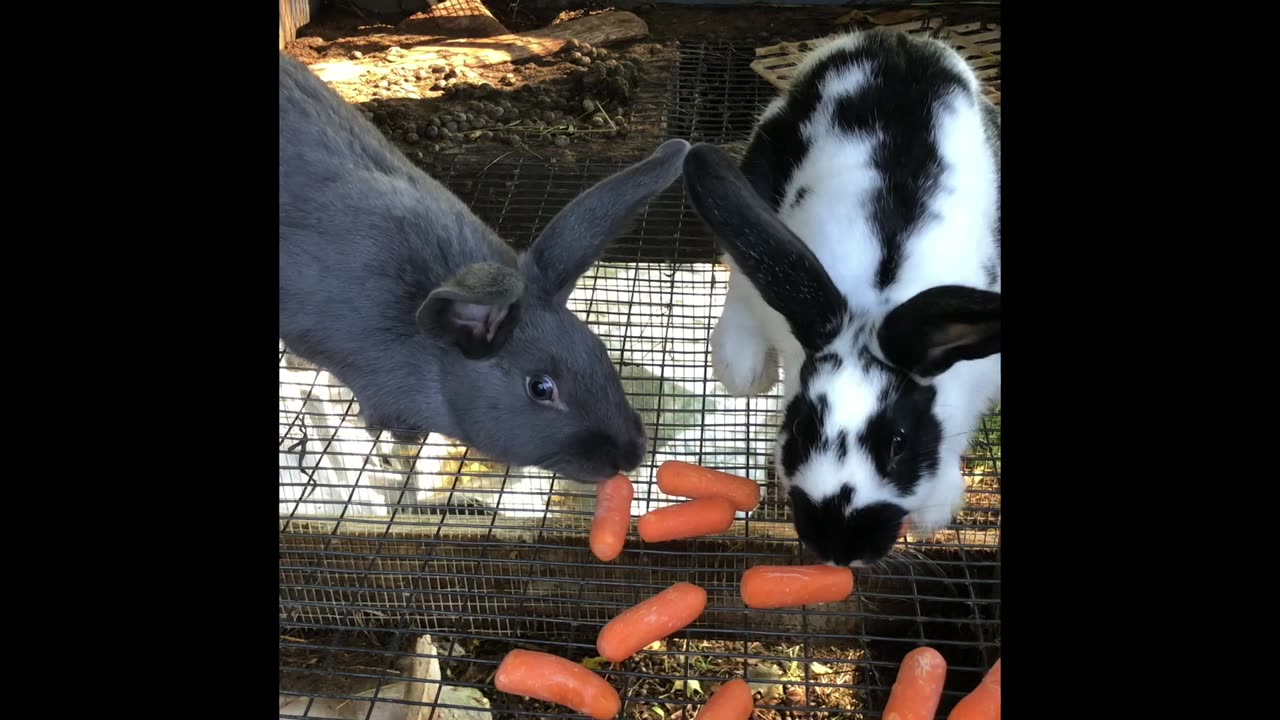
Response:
column 862, row 234
column 389, row 282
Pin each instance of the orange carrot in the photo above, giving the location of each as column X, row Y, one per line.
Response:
column 684, row 479
column 651, row 620
column 553, row 679
column 779, row 586
column 984, row 702
column 918, row 689
column 695, row 518
column 733, row 701
column 612, row 518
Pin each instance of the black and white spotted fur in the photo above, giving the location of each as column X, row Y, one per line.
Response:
column 862, row 234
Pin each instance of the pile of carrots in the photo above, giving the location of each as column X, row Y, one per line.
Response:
column 714, row 498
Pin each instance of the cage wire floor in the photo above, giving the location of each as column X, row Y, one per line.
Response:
column 408, row 572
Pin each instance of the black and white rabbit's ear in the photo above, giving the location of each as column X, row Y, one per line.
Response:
column 578, row 235
column 940, row 327
column 780, row 266
column 475, row 310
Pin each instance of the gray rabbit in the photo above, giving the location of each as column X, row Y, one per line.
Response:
column 389, row 282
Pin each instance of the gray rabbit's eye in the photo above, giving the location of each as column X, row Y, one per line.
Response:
column 541, row 388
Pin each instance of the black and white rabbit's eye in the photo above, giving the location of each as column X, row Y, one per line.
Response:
column 541, row 389
column 897, row 446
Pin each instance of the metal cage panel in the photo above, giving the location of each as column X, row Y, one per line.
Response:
column 407, row 572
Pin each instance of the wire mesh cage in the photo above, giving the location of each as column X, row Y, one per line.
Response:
column 408, row 571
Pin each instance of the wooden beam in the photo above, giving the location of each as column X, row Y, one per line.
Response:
column 603, row 29
column 454, row 18
column 293, row 15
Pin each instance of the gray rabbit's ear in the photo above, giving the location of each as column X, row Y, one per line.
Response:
column 578, row 235
column 475, row 309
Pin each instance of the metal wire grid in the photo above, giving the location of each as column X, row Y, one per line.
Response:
column 715, row 95
column 394, row 554
column 454, row 8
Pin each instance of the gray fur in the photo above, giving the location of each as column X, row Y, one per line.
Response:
column 474, row 308
column 366, row 238
column 483, row 282
column 598, row 216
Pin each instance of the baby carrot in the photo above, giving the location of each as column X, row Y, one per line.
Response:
column 553, row 679
column 695, row 518
column 684, row 479
column 612, row 518
column 733, row 701
column 779, row 586
column 651, row 620
column 984, row 702
column 918, row 689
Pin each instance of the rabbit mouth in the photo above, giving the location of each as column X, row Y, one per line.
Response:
column 595, row 457
column 581, row 474
column 858, row 539
column 812, row 557
column 809, row 556
column 578, row 470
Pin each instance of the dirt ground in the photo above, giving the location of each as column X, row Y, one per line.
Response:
column 584, row 100
column 353, row 30
column 669, row 682
column 583, row 103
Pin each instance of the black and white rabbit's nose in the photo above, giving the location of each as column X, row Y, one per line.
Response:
column 807, row 555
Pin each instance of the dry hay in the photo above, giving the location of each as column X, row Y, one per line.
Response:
column 668, row 680
column 793, row 680
column 333, row 663
column 671, row 680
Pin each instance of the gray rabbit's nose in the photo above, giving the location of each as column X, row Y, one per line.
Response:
column 628, row 453
column 611, row 453
column 630, row 447
column 631, row 453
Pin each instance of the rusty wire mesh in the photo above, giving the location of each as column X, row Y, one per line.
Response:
column 406, row 569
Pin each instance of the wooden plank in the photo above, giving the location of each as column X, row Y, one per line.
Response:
column 454, row 18
column 603, row 29
column 970, row 27
column 980, row 38
column 778, row 63
column 920, row 26
column 293, row 15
